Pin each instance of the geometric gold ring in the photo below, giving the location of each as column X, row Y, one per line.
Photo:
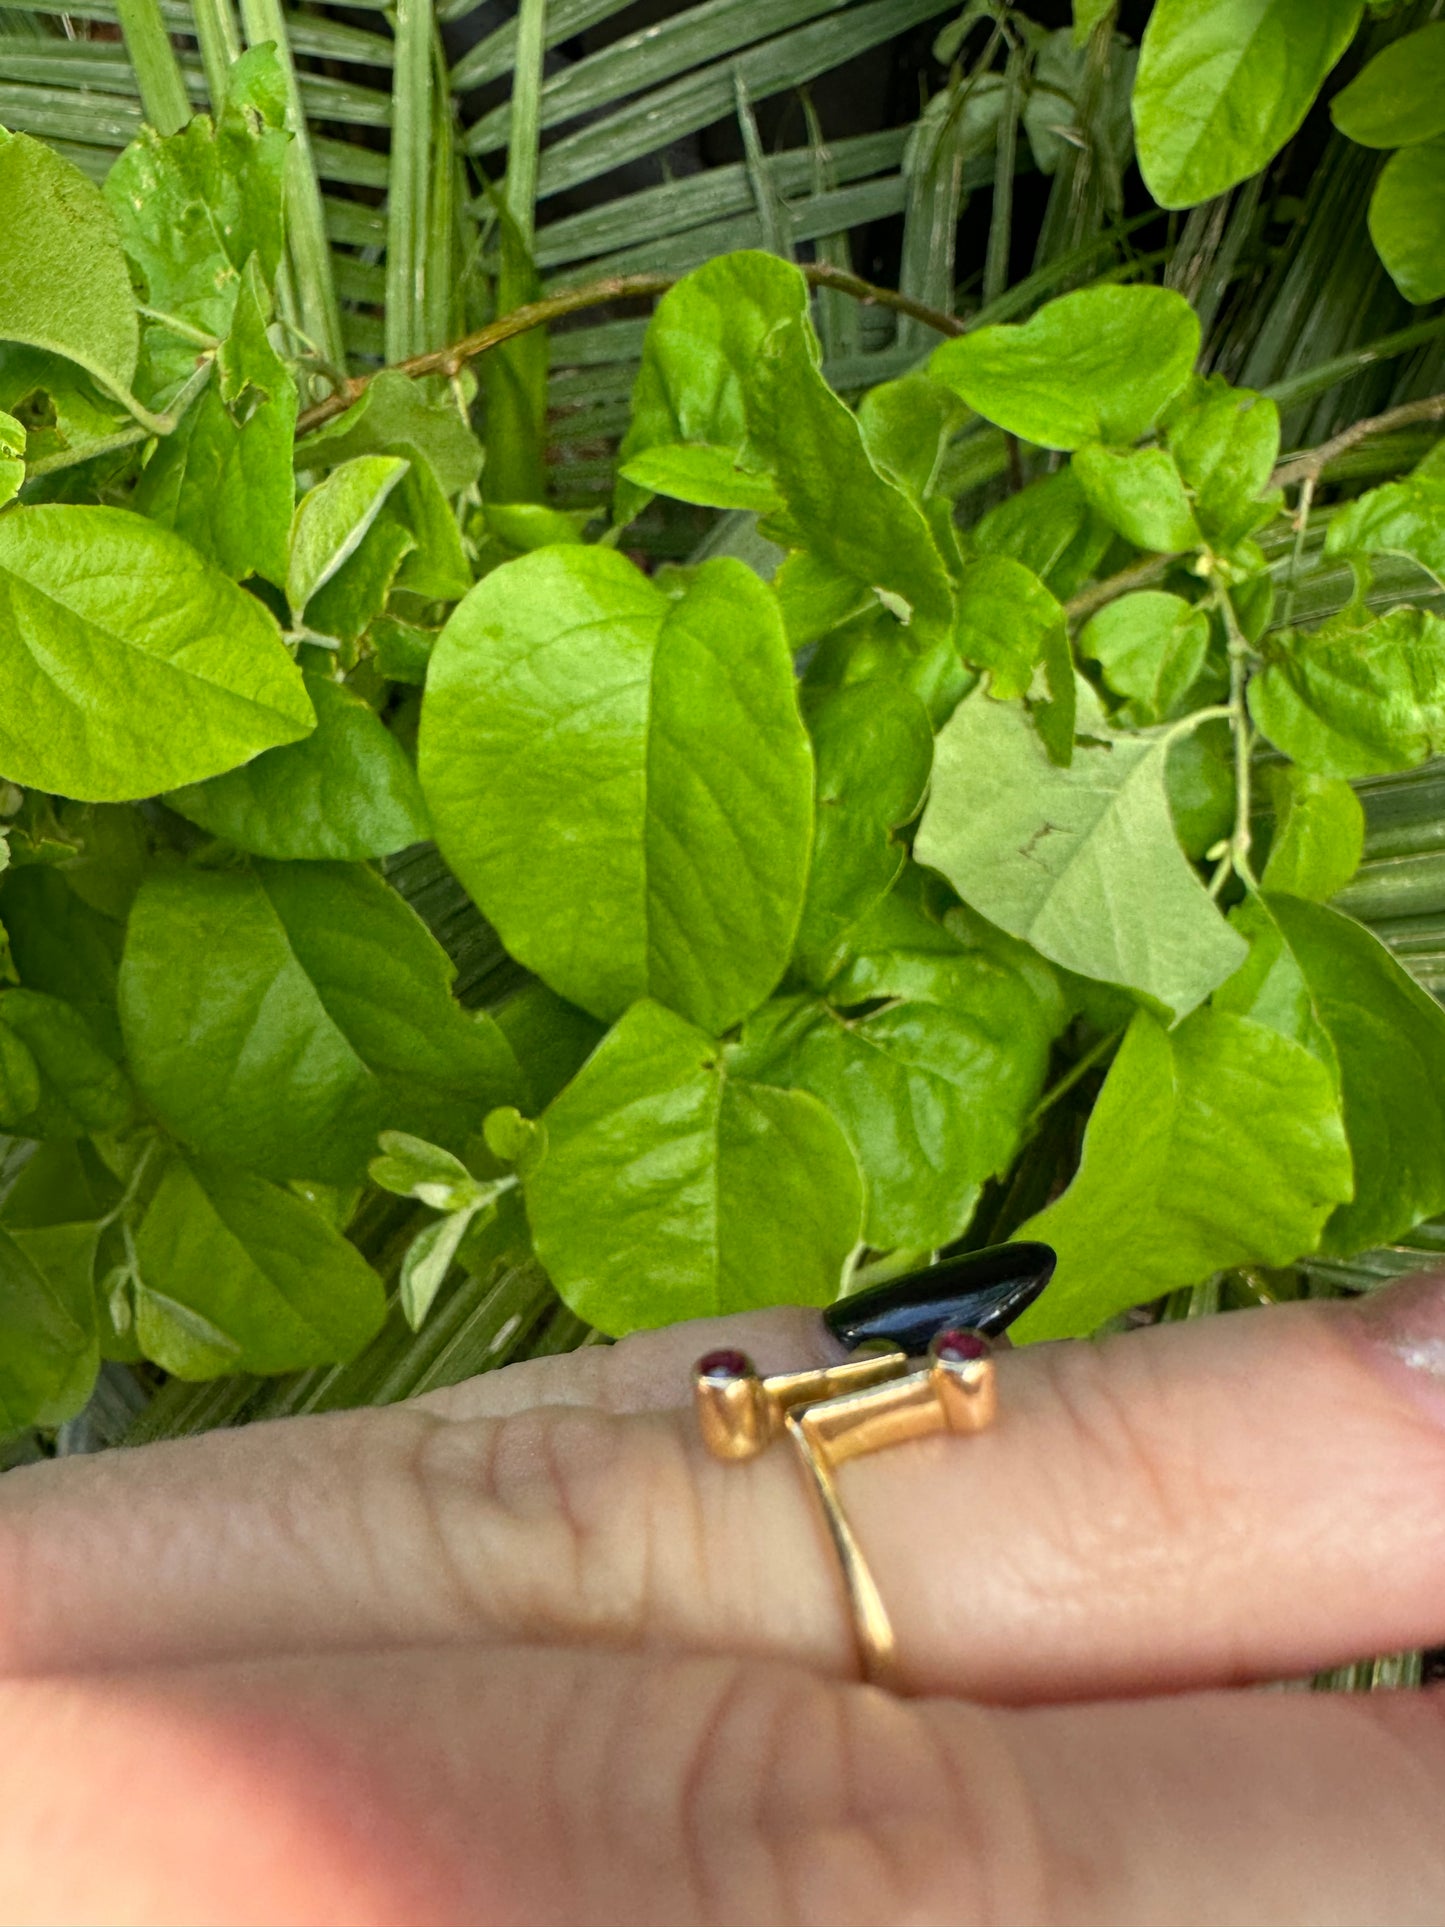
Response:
column 877, row 1398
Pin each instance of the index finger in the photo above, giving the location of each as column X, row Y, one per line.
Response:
column 1246, row 1496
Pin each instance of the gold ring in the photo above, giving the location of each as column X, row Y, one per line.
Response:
column 874, row 1399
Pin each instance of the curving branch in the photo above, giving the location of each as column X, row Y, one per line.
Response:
column 1311, row 463
column 451, row 360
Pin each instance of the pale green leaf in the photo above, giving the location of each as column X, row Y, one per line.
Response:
column 1398, row 98
column 429, row 1257
column 332, row 520
column 130, row 664
column 907, row 427
column 1222, row 85
column 1051, row 529
column 1082, row 862
column 1140, row 493
column 1158, row 1200
column 241, row 1275
column 622, row 780
column 64, row 285
column 282, row 1018
column 1097, row 366
column 1407, row 220
column 345, row 792
column 1150, row 647
column 1358, row 695
column 670, row 1190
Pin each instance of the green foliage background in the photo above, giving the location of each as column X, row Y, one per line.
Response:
column 701, row 813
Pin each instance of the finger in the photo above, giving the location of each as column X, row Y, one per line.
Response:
column 642, row 1373
column 564, row 1787
column 1243, row 1497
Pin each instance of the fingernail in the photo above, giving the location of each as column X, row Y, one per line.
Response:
column 1406, row 1322
column 983, row 1290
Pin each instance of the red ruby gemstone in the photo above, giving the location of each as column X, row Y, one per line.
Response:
column 721, row 1366
column 960, row 1347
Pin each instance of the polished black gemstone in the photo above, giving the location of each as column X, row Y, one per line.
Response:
column 983, row 1290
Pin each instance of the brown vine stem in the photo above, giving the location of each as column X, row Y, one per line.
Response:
column 1138, row 575
column 1311, row 463
column 451, row 360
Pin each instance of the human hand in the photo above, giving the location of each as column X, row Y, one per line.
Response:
column 521, row 1652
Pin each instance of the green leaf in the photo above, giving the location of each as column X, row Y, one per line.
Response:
column 411, row 1168
column 282, row 1018
column 550, row 1038
column 345, row 606
column 1158, row 1201
column 1087, row 15
column 40, row 1340
column 1222, row 85
column 82, row 1088
column 1401, row 518
column 622, row 780
column 64, row 285
column 241, row 1275
column 1139, row 492
column 1004, row 621
column 64, row 946
column 873, row 746
column 839, row 505
column 131, row 665
column 332, row 520
column 932, row 1095
column 12, row 457
column 1225, row 443
column 398, row 416
column 672, row 1190
column 1319, row 834
column 66, row 407
column 1051, row 529
column 429, row 1257
column 1150, row 647
column 1356, row 696
column 1082, row 863
column 907, row 427
column 400, row 650
column 1407, row 220
column 1398, row 98
column 195, row 206
column 223, row 480
column 702, row 342
column 1200, row 779
column 1097, row 366
column 437, row 565
column 1385, row 1041
column 706, row 476
column 19, row 1079
column 345, row 792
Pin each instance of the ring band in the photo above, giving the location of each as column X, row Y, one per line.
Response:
column 873, row 1400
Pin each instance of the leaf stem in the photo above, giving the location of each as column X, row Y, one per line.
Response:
column 127, row 437
column 1071, row 1076
column 1239, row 654
column 451, row 360
column 1311, row 463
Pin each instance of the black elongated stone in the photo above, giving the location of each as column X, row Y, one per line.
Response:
column 984, row 1290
